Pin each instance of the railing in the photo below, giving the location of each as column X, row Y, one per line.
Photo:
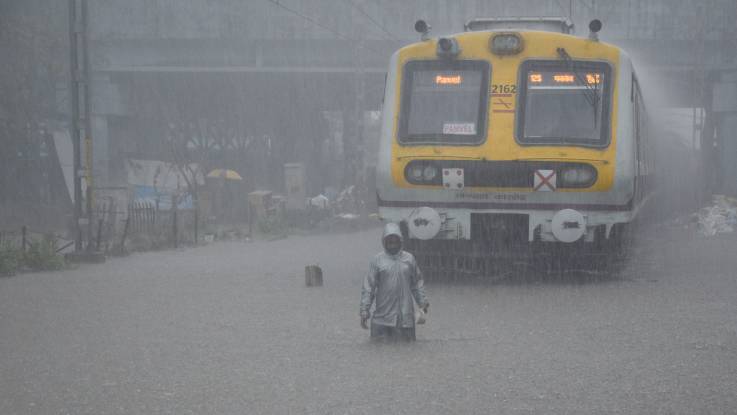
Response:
column 153, row 228
column 23, row 238
column 141, row 226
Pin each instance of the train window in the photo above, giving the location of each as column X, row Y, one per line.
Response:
column 564, row 103
column 444, row 102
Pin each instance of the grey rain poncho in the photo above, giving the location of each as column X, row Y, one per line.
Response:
column 392, row 282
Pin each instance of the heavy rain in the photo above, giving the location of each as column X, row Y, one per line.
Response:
column 368, row 206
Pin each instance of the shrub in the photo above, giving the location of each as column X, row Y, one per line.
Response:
column 271, row 224
column 42, row 256
column 10, row 259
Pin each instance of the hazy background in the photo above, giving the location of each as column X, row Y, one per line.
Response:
column 253, row 85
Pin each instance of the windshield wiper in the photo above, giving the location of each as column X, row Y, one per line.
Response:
column 590, row 93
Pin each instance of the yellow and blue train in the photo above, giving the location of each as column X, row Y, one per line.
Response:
column 497, row 139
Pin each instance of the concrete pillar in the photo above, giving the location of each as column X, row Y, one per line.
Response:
column 100, row 151
column 105, row 101
column 725, row 107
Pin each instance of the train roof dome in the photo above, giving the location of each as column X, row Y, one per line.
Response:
column 546, row 24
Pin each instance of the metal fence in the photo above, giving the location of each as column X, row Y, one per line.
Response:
column 148, row 227
column 23, row 237
column 139, row 226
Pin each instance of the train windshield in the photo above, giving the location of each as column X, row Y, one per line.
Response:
column 564, row 103
column 444, row 102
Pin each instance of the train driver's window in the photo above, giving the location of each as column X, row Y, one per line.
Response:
column 564, row 103
column 444, row 102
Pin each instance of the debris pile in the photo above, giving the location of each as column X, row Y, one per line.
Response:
column 334, row 210
column 719, row 217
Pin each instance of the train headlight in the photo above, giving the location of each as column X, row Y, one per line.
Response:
column 578, row 176
column 415, row 173
column 422, row 172
column 429, row 173
column 447, row 47
column 506, row 44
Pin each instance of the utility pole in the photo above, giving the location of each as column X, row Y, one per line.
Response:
column 81, row 120
column 358, row 144
column 570, row 10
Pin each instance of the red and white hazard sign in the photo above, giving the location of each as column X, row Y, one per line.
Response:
column 544, row 181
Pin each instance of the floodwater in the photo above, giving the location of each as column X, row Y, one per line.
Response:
column 226, row 328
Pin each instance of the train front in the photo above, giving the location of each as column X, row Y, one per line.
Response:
column 492, row 140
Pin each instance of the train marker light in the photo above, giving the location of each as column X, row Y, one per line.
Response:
column 416, row 172
column 506, row 44
column 422, row 172
column 429, row 173
column 577, row 176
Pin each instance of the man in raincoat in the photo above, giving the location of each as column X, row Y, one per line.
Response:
column 393, row 281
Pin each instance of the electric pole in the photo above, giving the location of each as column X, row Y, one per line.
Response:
column 81, row 120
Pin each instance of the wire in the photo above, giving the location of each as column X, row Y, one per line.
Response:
column 603, row 14
column 590, row 7
column 377, row 24
column 565, row 12
column 318, row 24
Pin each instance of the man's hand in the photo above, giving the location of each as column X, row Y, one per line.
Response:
column 426, row 308
column 364, row 320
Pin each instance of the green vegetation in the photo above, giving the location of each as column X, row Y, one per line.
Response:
column 10, row 259
column 40, row 256
column 272, row 225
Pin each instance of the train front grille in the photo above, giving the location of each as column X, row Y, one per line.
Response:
column 500, row 229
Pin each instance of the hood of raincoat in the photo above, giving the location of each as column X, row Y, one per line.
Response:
column 391, row 229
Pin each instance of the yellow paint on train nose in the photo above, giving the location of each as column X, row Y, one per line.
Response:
column 500, row 143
